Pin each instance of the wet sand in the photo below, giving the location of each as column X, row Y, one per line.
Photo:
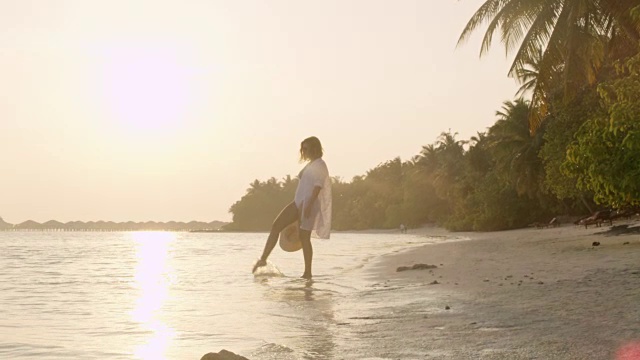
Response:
column 522, row 294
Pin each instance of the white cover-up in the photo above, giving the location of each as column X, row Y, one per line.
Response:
column 315, row 174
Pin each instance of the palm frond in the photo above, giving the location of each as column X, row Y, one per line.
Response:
column 500, row 21
column 539, row 108
column 519, row 23
column 537, row 38
column 528, row 75
column 484, row 13
column 626, row 15
column 553, row 55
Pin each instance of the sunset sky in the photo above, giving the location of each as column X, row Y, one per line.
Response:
column 167, row 110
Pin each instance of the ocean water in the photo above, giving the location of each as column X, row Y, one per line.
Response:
column 162, row 295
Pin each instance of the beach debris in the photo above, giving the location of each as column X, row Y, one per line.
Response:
column 447, row 307
column 486, row 280
column 367, row 317
column 222, row 355
column 595, row 243
column 540, row 282
column 434, row 282
column 423, row 266
column 625, row 243
column 416, row 267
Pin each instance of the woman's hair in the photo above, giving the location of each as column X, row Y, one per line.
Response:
column 310, row 148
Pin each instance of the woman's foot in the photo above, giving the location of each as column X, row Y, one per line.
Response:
column 306, row 276
column 259, row 263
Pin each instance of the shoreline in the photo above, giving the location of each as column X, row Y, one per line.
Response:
column 515, row 294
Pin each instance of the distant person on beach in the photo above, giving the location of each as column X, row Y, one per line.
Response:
column 403, row 229
column 311, row 205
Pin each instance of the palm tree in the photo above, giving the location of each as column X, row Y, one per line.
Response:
column 515, row 150
column 427, row 157
column 477, row 157
column 441, row 163
column 436, row 173
column 449, row 156
column 568, row 35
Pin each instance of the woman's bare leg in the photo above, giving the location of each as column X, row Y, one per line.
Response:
column 307, row 252
column 287, row 216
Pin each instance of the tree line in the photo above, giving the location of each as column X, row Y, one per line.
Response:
column 568, row 143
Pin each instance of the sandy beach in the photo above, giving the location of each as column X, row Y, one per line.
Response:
column 522, row 294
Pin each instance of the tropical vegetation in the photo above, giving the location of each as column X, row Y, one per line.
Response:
column 567, row 144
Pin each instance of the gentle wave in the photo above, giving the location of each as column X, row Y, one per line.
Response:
column 179, row 295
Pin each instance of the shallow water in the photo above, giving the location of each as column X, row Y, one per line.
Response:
column 161, row 295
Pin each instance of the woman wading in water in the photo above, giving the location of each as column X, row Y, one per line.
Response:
column 311, row 205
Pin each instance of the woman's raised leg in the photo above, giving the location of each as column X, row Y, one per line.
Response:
column 288, row 215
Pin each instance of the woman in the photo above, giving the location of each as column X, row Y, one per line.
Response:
column 311, row 205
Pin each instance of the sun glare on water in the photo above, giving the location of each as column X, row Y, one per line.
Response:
column 153, row 278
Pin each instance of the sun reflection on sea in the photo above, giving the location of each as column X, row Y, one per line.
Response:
column 153, row 279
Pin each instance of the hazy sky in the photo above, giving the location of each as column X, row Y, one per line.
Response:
column 167, row 110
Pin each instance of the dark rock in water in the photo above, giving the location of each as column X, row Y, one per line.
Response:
column 595, row 243
column 447, row 307
column 222, row 355
column 434, row 282
column 626, row 243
